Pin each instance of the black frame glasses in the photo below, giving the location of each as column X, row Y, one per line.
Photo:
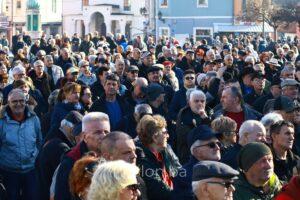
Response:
column 211, row 145
column 227, row 184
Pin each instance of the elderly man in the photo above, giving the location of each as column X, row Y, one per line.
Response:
column 213, row 181
column 41, row 80
column 95, row 126
column 119, row 146
column 290, row 88
column 64, row 59
column 190, row 117
column 230, row 68
column 233, row 107
column 58, row 141
column 283, row 135
column 257, row 179
column 55, row 72
column 250, row 131
column 147, row 62
column 138, row 93
column 132, row 74
column 204, row 145
column 20, row 139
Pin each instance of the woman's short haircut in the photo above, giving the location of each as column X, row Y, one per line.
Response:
column 110, row 178
column 71, row 87
column 150, row 126
column 223, row 124
column 93, row 116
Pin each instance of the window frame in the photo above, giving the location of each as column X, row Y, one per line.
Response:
column 163, row 5
column 202, row 5
column 202, row 28
column 164, row 28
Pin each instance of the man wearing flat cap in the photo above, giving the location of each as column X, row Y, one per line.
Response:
column 155, row 97
column 203, row 145
column 257, row 179
column 290, row 88
column 213, row 181
column 147, row 62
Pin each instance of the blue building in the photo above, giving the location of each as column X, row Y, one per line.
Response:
column 200, row 18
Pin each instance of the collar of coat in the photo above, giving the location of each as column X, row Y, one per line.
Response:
column 4, row 112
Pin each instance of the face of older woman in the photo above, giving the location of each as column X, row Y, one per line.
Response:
column 161, row 139
column 131, row 192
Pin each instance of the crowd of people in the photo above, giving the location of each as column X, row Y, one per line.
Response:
column 104, row 118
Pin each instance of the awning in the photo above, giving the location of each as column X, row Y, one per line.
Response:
column 244, row 28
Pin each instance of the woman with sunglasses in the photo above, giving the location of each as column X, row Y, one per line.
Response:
column 115, row 180
column 159, row 165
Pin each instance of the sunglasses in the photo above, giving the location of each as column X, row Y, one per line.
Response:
column 91, row 167
column 189, row 78
column 211, row 145
column 133, row 187
column 227, row 185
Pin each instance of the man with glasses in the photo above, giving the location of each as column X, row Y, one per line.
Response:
column 20, row 141
column 95, row 126
column 290, row 88
column 179, row 98
column 204, row 145
column 258, row 83
column 213, row 181
column 85, row 74
column 132, row 74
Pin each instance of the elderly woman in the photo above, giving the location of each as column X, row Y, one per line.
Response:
column 189, row 117
column 81, row 176
column 226, row 127
column 115, row 180
column 159, row 164
column 70, row 95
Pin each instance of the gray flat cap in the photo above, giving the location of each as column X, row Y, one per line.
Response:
column 213, row 169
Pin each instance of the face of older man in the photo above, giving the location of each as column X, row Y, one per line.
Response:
column 208, row 150
column 16, row 103
column 291, row 91
column 155, row 77
column 258, row 134
column 94, row 133
column 197, row 104
column 261, row 171
column 216, row 189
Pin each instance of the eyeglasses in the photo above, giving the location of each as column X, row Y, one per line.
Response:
column 211, row 145
column 88, row 94
column 227, row 185
column 21, row 101
column 227, row 133
column 134, row 72
column 91, row 167
column 189, row 78
column 133, row 187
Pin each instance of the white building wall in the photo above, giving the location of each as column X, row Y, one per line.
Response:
column 48, row 14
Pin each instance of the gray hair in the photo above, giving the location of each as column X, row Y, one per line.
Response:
column 188, row 93
column 249, row 126
column 142, row 108
column 271, row 118
column 228, row 56
column 141, row 81
column 288, row 68
column 38, row 62
column 16, row 91
column 197, row 93
column 49, row 57
column 93, row 116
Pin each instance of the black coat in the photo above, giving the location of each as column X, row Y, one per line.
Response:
column 97, row 90
column 49, row 158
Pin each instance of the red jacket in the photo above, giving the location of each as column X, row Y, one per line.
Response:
column 290, row 191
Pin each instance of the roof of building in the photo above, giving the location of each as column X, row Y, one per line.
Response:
column 33, row 4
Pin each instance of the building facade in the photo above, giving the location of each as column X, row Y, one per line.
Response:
column 202, row 18
column 129, row 17
column 15, row 12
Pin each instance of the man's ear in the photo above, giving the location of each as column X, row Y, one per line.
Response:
column 204, row 190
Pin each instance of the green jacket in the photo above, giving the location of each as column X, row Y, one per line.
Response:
column 245, row 191
column 151, row 172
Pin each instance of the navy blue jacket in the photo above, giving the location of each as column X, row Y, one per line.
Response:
column 177, row 103
column 231, row 156
column 183, row 181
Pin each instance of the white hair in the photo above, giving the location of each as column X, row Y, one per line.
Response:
column 141, row 81
column 197, row 92
column 110, row 178
column 38, row 62
column 142, row 108
column 18, row 69
column 271, row 118
column 249, row 127
column 16, row 91
column 93, row 116
column 228, row 56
